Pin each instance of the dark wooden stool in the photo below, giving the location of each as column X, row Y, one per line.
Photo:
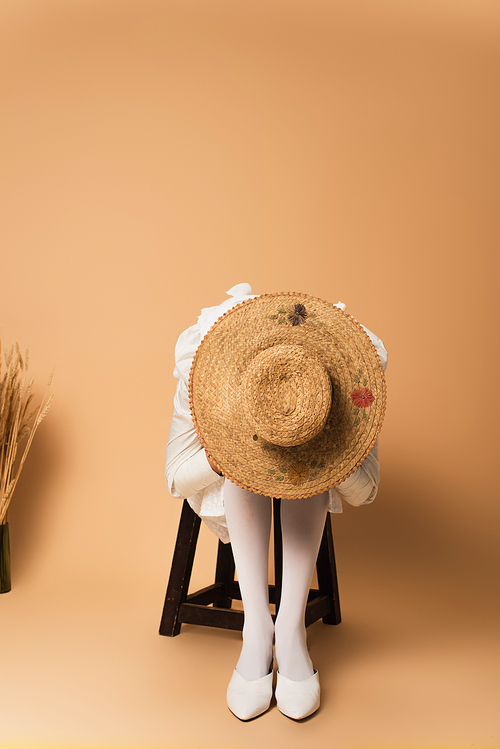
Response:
column 211, row 606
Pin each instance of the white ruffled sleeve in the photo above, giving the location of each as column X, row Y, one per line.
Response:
column 187, row 469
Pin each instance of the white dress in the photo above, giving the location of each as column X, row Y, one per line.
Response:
column 187, row 470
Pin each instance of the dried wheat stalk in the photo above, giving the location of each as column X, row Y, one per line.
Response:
column 17, row 421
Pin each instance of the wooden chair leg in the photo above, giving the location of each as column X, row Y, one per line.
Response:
column 278, row 553
column 224, row 573
column 211, row 606
column 327, row 574
column 180, row 573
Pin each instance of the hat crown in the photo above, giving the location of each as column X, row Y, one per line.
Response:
column 286, row 395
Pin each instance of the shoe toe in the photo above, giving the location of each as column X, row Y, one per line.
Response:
column 298, row 699
column 247, row 699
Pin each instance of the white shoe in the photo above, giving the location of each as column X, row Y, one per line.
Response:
column 247, row 699
column 298, row 699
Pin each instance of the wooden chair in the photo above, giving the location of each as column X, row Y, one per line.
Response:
column 211, row 606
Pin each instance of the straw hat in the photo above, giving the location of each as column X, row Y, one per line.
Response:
column 287, row 395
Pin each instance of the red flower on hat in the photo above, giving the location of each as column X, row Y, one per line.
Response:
column 362, row 397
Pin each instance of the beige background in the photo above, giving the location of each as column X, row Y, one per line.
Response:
column 153, row 155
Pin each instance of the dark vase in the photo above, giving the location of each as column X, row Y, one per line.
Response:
column 4, row 558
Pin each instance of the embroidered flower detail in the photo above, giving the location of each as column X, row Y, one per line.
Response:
column 278, row 473
column 362, row 397
column 315, row 467
column 280, row 317
column 298, row 473
column 358, row 376
column 298, row 316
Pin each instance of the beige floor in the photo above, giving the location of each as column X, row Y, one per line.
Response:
column 414, row 663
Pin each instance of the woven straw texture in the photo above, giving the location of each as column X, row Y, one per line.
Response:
column 287, row 394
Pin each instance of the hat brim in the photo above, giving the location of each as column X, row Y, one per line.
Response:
column 358, row 395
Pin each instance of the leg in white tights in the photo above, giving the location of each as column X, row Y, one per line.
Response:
column 248, row 518
column 302, row 524
column 249, row 521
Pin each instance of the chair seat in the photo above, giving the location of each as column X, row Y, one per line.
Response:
column 211, row 606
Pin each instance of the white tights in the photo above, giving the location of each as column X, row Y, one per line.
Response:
column 249, row 522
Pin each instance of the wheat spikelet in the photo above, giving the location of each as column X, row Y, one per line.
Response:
column 17, row 420
column 45, row 411
column 19, row 356
column 9, row 489
column 8, row 356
